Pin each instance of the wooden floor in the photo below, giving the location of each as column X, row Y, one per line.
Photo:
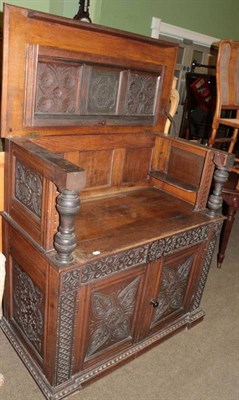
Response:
column 131, row 219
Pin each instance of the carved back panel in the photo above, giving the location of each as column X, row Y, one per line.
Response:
column 84, row 77
column 75, row 92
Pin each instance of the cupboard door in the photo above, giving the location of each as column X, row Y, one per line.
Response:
column 110, row 309
column 174, row 278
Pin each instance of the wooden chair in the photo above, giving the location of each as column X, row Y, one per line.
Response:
column 227, row 80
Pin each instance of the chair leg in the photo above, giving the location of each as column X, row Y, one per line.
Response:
column 212, row 137
column 233, row 142
column 226, row 231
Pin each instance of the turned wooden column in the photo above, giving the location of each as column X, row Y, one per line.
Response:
column 223, row 162
column 68, row 205
column 215, row 199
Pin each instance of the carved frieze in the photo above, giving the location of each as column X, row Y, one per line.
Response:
column 141, row 94
column 171, row 244
column 142, row 255
column 172, row 289
column 28, row 188
column 111, row 316
column 117, row 262
column 28, row 307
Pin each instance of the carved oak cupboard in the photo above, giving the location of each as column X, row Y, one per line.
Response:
column 106, row 232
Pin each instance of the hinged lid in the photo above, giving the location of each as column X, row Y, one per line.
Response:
column 61, row 76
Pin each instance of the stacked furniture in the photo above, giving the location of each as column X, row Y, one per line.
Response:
column 107, row 233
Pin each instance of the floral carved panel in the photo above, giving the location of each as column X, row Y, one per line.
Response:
column 57, row 88
column 28, row 303
column 103, row 90
column 172, row 288
column 111, row 316
column 141, row 94
column 67, row 90
column 28, row 188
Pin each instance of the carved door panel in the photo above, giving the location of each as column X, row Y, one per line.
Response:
column 25, row 294
column 112, row 318
column 175, row 278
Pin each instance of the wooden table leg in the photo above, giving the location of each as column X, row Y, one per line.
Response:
column 226, row 231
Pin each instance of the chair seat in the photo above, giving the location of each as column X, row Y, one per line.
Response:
column 233, row 122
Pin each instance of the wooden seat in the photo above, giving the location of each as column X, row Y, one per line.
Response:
column 227, row 79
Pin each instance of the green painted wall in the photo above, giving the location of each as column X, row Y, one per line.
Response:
column 66, row 8
column 40, row 5
column 56, row 7
column 217, row 18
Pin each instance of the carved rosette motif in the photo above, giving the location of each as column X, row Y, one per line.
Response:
column 111, row 317
column 56, row 88
column 28, row 307
column 172, row 289
column 28, row 188
column 118, row 262
column 67, row 308
column 169, row 245
column 103, row 89
column 208, row 254
column 141, row 94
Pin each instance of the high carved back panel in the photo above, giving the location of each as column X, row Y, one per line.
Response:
column 68, row 89
column 81, row 78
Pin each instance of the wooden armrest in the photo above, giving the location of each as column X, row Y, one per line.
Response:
column 164, row 177
column 63, row 173
column 68, row 178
